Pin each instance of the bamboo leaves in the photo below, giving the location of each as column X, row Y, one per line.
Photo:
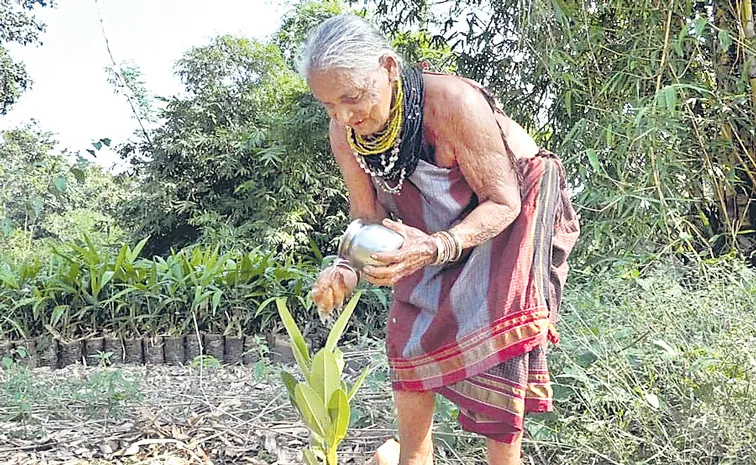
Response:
column 648, row 107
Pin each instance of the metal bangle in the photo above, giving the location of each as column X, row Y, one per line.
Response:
column 457, row 244
column 444, row 251
column 343, row 263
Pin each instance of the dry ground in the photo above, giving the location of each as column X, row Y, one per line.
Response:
column 168, row 415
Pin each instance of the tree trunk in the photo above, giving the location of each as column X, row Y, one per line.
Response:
column 746, row 15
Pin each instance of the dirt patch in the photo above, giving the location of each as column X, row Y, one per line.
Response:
column 168, row 415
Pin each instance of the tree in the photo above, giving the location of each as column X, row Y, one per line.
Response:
column 242, row 159
column 18, row 25
column 44, row 195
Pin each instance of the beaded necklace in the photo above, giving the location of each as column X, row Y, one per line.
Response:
column 392, row 154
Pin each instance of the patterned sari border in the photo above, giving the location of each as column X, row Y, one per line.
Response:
column 503, row 326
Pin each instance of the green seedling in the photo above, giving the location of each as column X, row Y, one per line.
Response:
column 323, row 398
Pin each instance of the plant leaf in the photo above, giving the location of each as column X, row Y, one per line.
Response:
column 653, row 400
column 670, row 98
column 78, row 174
column 357, row 384
column 593, row 159
column 338, row 408
column 137, row 249
column 217, row 296
column 289, row 382
column 263, row 305
column 664, row 345
column 339, row 355
column 301, row 353
column 324, row 374
column 309, row 457
column 341, row 323
column 106, row 277
column 60, row 183
column 314, row 412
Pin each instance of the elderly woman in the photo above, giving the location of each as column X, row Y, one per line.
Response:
column 487, row 228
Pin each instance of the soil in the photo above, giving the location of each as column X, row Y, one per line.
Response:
column 192, row 348
column 133, row 351
column 186, row 416
column 115, row 348
column 234, row 350
column 70, row 353
column 214, row 345
column 153, row 350
column 92, row 349
column 173, row 347
column 47, row 350
column 32, row 357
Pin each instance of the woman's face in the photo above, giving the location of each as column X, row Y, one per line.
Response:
column 360, row 101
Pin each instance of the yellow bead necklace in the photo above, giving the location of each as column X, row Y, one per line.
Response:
column 387, row 138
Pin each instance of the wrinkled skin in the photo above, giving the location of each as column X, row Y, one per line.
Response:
column 332, row 287
column 362, row 102
column 459, row 124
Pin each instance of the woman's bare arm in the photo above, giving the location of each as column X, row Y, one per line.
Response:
column 468, row 130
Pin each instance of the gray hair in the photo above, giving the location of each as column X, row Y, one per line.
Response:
column 345, row 42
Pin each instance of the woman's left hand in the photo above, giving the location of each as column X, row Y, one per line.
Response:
column 418, row 250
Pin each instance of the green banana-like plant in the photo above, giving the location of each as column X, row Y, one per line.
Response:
column 323, row 398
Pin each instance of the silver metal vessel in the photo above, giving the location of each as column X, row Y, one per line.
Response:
column 361, row 240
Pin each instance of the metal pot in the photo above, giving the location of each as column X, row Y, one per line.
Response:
column 361, row 240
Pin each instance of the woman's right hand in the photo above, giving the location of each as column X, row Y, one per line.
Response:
column 333, row 285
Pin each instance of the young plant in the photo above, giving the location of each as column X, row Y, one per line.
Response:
column 323, row 398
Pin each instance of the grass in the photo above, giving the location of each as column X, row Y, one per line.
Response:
column 652, row 368
column 655, row 368
column 102, row 393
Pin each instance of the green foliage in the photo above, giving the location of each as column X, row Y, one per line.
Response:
column 241, row 160
column 18, row 25
column 654, row 367
column 128, row 80
column 422, row 47
column 13, row 80
column 204, row 361
column 9, row 360
column 322, row 399
column 44, row 196
column 84, row 289
column 298, row 22
column 106, row 392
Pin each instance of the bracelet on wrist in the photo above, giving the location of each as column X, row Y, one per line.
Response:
column 343, row 263
column 449, row 247
column 440, row 250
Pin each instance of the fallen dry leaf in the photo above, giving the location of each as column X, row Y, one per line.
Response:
column 131, row 450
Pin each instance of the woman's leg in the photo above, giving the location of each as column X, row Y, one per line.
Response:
column 414, row 413
column 500, row 453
